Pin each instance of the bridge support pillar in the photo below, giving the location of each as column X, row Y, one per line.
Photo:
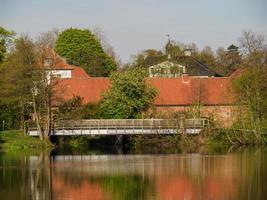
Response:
column 119, row 140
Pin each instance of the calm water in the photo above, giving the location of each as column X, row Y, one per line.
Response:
column 223, row 174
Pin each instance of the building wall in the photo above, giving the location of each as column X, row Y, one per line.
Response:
column 222, row 114
column 62, row 73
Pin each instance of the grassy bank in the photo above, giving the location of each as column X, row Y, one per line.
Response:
column 207, row 137
column 15, row 140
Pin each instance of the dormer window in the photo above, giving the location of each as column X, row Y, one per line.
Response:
column 48, row 62
column 188, row 52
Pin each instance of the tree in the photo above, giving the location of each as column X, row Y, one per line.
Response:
column 206, row 56
column 174, row 49
column 5, row 37
column 16, row 79
column 128, row 96
column 102, row 38
column 43, row 90
column 71, row 109
column 148, row 58
column 251, row 92
column 251, row 95
column 228, row 60
column 27, row 86
column 47, row 39
column 251, row 42
column 82, row 48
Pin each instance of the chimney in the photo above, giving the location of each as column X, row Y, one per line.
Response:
column 187, row 52
column 185, row 78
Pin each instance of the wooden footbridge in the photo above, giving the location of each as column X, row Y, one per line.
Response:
column 124, row 127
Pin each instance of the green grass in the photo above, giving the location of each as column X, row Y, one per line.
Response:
column 15, row 140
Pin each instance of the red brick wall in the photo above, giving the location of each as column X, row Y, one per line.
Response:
column 223, row 115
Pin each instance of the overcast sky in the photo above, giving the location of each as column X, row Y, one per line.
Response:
column 135, row 25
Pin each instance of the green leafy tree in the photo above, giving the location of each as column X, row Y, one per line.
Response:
column 5, row 37
column 228, row 60
column 129, row 95
column 148, row 58
column 25, row 89
column 82, row 48
column 74, row 109
column 251, row 94
column 92, row 111
column 174, row 49
column 71, row 109
column 16, row 81
column 206, row 56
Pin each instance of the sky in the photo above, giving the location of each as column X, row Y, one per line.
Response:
column 134, row 25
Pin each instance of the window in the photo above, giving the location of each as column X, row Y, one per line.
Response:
column 48, row 62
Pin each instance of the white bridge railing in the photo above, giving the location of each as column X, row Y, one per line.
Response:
column 125, row 126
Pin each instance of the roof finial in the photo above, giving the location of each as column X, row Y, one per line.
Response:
column 168, row 36
column 168, row 47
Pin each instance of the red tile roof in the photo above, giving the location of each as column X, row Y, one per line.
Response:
column 181, row 91
column 237, row 72
column 171, row 91
column 78, row 72
column 189, row 90
column 58, row 62
column 89, row 89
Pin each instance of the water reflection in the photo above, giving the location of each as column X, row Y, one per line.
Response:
column 239, row 174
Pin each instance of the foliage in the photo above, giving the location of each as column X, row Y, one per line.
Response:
column 16, row 82
column 223, row 62
column 15, row 140
column 92, row 111
column 228, row 60
column 81, row 48
column 148, row 58
column 71, row 109
column 24, row 87
column 251, row 42
column 74, row 109
column 174, row 49
column 251, row 95
column 206, row 56
column 5, row 37
column 125, row 188
column 9, row 116
column 129, row 95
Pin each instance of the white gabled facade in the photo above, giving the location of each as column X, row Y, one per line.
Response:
column 167, row 69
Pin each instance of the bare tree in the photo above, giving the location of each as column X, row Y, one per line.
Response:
column 251, row 42
column 44, row 84
column 47, row 39
column 101, row 36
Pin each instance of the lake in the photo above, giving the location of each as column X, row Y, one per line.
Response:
column 206, row 173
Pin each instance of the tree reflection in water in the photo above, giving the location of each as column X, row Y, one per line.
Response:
column 239, row 174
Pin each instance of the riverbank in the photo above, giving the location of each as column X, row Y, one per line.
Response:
column 16, row 140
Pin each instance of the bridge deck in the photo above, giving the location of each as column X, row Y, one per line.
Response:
column 125, row 127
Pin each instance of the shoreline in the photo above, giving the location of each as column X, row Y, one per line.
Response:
column 15, row 140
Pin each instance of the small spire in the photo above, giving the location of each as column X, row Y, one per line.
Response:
column 168, row 46
column 168, row 36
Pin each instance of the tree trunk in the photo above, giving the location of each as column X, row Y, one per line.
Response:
column 48, row 121
column 22, row 119
column 37, row 120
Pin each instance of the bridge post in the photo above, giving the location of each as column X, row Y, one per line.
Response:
column 133, row 125
column 98, row 127
column 63, row 128
column 119, row 140
column 124, row 124
column 142, row 126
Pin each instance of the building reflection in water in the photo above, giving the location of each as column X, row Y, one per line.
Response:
column 189, row 176
column 229, row 176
